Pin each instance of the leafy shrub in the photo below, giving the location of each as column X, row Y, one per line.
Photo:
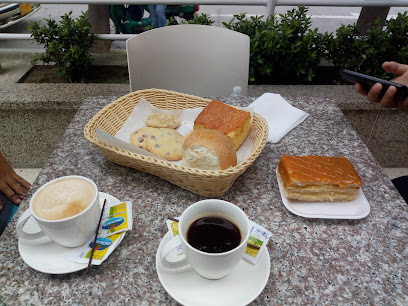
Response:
column 67, row 44
column 202, row 19
column 170, row 22
column 285, row 51
column 366, row 53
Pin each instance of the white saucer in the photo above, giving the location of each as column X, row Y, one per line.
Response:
column 45, row 255
column 356, row 209
column 240, row 287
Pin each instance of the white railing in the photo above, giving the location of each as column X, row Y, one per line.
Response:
column 269, row 8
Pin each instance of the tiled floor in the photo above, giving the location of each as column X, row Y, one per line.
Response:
column 31, row 173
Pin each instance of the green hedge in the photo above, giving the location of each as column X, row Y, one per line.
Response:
column 389, row 42
column 286, row 50
column 282, row 51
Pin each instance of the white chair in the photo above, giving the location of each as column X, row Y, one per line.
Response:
column 194, row 59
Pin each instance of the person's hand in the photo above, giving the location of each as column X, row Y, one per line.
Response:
column 388, row 100
column 12, row 186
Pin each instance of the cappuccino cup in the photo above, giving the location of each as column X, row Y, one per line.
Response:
column 206, row 229
column 67, row 210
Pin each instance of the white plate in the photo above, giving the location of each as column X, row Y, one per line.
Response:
column 240, row 287
column 356, row 209
column 45, row 255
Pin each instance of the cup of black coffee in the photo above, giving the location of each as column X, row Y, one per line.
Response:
column 213, row 234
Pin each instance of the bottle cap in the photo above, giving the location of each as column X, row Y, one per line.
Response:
column 237, row 90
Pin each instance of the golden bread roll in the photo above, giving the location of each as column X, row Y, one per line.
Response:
column 208, row 150
column 319, row 178
column 233, row 123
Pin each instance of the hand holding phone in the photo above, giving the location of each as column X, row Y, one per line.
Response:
column 368, row 81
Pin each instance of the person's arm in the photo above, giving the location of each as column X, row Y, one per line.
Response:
column 388, row 100
column 12, row 186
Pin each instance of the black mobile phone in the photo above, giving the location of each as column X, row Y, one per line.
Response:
column 368, row 81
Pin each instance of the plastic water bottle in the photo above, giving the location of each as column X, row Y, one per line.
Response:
column 236, row 91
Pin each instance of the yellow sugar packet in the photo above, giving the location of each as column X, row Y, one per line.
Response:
column 258, row 238
column 104, row 247
column 173, row 230
column 116, row 219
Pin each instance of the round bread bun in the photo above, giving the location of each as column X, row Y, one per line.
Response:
column 208, row 150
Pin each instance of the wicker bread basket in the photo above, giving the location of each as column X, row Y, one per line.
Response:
column 203, row 182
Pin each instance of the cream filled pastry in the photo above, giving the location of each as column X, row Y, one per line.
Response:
column 319, row 178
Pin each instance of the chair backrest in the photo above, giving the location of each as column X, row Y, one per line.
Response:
column 194, row 59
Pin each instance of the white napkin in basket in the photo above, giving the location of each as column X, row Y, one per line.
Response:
column 280, row 115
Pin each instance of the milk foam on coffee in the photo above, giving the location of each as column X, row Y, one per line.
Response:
column 63, row 199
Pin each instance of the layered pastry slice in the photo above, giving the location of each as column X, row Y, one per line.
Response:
column 319, row 178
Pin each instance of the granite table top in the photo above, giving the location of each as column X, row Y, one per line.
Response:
column 313, row 261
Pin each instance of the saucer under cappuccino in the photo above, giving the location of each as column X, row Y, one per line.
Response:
column 63, row 199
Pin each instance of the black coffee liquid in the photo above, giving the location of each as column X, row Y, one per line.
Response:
column 213, row 234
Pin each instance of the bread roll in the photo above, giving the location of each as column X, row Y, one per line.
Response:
column 233, row 123
column 208, row 150
column 319, row 178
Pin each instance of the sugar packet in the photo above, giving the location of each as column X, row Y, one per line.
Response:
column 104, row 247
column 258, row 239
column 116, row 220
column 172, row 226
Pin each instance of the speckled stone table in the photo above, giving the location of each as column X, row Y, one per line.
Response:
column 313, row 261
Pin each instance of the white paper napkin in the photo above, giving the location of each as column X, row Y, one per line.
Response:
column 280, row 115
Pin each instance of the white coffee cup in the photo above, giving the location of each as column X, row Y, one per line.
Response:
column 71, row 231
column 208, row 265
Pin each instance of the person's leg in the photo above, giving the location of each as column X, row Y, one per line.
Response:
column 401, row 183
column 161, row 15
column 7, row 213
column 153, row 16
